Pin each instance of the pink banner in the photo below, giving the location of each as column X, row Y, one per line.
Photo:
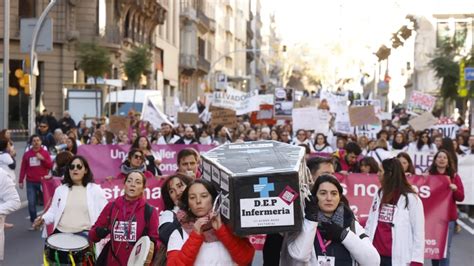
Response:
column 359, row 190
column 434, row 193
column 105, row 160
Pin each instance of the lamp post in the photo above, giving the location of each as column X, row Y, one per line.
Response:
column 34, row 71
column 6, row 65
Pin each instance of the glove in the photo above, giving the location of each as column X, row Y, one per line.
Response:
column 311, row 209
column 332, row 231
column 102, row 232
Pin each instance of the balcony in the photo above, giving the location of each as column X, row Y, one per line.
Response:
column 204, row 21
column 187, row 63
column 112, row 36
column 203, row 65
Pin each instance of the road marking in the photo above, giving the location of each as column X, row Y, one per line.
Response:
column 465, row 226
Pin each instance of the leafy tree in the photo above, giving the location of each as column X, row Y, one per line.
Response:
column 94, row 60
column 446, row 66
column 138, row 63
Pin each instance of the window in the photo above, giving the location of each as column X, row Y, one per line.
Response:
column 27, row 8
column 451, row 30
column 101, row 17
column 201, row 47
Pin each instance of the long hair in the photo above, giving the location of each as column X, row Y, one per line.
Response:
column 450, row 170
column 394, row 181
column 184, row 203
column 399, row 146
column 88, row 176
column 331, row 179
column 370, row 162
column 419, row 143
column 165, row 189
column 447, row 144
column 136, row 143
column 324, row 137
column 411, row 168
column 74, row 145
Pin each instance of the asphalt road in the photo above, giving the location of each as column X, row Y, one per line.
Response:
column 25, row 248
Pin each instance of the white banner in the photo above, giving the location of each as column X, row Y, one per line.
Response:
column 449, row 130
column 466, row 172
column 311, row 118
column 239, row 101
column 338, row 106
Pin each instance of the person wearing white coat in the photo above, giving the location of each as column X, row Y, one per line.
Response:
column 330, row 232
column 396, row 223
column 9, row 202
column 77, row 203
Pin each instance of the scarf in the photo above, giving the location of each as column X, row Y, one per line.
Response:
column 125, row 168
column 337, row 217
column 187, row 223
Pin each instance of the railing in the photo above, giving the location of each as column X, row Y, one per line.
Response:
column 203, row 19
column 112, row 35
column 187, row 61
column 203, row 64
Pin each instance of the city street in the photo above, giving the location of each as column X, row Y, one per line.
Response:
column 24, row 247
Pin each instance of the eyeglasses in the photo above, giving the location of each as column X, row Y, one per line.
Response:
column 75, row 166
column 137, row 156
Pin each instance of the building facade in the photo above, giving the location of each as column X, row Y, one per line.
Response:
column 117, row 25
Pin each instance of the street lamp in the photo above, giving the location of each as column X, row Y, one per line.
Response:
column 34, row 71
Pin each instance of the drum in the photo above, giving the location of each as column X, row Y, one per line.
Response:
column 67, row 249
column 142, row 252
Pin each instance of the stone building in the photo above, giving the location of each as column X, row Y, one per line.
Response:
column 118, row 25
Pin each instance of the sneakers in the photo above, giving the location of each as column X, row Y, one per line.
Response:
column 31, row 228
column 457, row 229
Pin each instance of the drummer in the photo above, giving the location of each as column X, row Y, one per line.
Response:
column 77, row 203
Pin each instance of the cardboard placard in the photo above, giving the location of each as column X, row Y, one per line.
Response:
column 117, row 123
column 363, row 115
column 188, row 118
column 423, row 121
column 225, row 117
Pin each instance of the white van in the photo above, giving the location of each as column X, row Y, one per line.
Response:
column 121, row 102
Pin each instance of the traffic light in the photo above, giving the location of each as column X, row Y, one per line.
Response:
column 23, row 80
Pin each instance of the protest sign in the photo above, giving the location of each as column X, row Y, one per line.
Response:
column 239, row 101
column 338, row 107
column 311, row 118
column 188, row 118
column 449, row 130
column 422, row 122
column 263, row 116
column 224, row 117
column 420, row 103
column 283, row 102
column 370, row 131
column 362, row 115
column 421, row 161
column 105, row 160
column 119, row 123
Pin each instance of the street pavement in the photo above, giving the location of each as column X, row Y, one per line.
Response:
column 24, row 248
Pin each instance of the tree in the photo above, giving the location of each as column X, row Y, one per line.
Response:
column 138, row 63
column 447, row 68
column 94, row 60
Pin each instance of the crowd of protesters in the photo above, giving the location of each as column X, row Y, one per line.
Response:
column 188, row 225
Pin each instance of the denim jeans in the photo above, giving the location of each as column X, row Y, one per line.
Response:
column 32, row 189
column 445, row 261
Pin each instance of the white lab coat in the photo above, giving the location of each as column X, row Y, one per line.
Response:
column 408, row 231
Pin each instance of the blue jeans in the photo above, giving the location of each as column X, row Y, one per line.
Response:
column 445, row 261
column 32, row 190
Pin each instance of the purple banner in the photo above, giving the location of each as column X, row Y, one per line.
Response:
column 105, row 160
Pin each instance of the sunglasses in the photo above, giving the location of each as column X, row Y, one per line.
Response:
column 75, row 166
column 136, row 156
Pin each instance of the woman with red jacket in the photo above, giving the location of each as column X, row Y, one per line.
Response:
column 205, row 240
column 124, row 219
column 443, row 164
